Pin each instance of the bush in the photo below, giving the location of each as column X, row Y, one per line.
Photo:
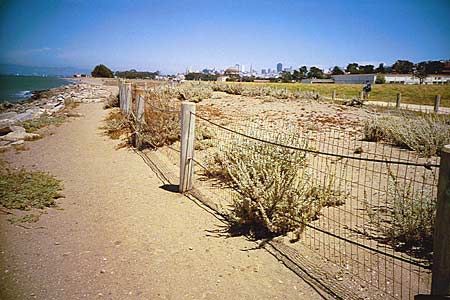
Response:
column 102, row 71
column 112, row 101
column 276, row 191
column 412, row 216
column 423, row 133
column 380, row 79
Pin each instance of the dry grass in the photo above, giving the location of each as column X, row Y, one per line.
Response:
column 276, row 189
column 116, row 125
column 412, row 94
column 423, row 133
column 264, row 91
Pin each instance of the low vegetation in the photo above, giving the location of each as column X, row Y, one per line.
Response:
column 423, row 133
column 276, row 190
column 264, row 91
column 43, row 121
column 116, row 124
column 412, row 94
column 22, row 189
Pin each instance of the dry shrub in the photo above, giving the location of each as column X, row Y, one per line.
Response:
column 276, row 190
column 264, row 91
column 408, row 220
column 423, row 133
column 112, row 101
column 116, row 124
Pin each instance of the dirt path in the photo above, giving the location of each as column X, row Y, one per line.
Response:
column 119, row 235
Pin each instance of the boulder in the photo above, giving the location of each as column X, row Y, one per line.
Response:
column 8, row 115
column 19, row 135
column 17, row 128
column 23, row 116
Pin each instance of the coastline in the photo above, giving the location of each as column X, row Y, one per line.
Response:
column 52, row 103
column 15, row 89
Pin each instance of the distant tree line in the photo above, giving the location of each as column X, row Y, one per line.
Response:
column 133, row 74
column 201, row 76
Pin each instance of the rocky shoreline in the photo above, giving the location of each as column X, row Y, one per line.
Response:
column 50, row 103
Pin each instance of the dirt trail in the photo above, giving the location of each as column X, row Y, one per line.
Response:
column 120, row 235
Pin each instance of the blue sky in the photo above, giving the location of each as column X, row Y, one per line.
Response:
column 172, row 35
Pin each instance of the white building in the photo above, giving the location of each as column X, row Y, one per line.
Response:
column 410, row 79
column 354, row 78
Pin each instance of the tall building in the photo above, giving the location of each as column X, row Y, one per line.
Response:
column 279, row 67
column 263, row 71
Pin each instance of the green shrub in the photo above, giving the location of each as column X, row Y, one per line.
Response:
column 25, row 190
column 102, row 71
column 380, row 79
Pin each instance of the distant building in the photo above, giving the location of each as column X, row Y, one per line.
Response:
column 354, row 78
column 410, row 79
column 222, row 78
column 314, row 80
column 263, row 71
column 279, row 67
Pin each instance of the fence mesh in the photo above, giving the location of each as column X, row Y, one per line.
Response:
column 370, row 206
column 377, row 225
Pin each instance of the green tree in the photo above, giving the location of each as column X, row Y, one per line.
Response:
column 380, row 69
column 352, row 68
column 286, row 76
column 102, row 71
column 420, row 71
column 403, row 67
column 337, row 71
column 367, row 69
column 380, row 79
column 315, row 72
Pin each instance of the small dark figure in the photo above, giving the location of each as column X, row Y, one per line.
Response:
column 367, row 89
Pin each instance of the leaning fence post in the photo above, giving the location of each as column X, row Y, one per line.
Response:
column 399, row 99
column 361, row 95
column 187, row 146
column 333, row 95
column 440, row 284
column 437, row 102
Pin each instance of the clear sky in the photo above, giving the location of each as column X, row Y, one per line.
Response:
column 172, row 35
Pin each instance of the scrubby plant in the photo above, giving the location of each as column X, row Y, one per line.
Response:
column 264, row 91
column 116, row 125
column 22, row 189
column 423, row 133
column 276, row 190
column 111, row 101
column 44, row 120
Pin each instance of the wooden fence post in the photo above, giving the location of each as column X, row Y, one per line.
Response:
column 187, row 146
column 120, row 94
column 437, row 102
column 128, row 96
column 333, row 96
column 361, row 95
column 139, row 111
column 440, row 284
column 399, row 99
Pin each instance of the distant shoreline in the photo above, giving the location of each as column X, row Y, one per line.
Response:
column 20, row 88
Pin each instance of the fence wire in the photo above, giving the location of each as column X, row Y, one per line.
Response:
column 378, row 230
column 372, row 232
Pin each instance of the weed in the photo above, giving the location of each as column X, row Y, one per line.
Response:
column 43, row 121
column 423, row 133
column 21, row 189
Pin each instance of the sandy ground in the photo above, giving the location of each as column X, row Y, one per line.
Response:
column 119, row 235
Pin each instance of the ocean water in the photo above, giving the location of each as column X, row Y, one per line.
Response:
column 18, row 88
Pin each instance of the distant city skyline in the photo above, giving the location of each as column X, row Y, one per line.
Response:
column 172, row 35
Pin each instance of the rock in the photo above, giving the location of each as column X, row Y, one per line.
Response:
column 17, row 128
column 57, row 108
column 8, row 115
column 19, row 135
column 4, row 130
column 23, row 116
column 19, row 142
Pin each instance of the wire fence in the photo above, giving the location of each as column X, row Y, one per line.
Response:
column 376, row 225
column 371, row 206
